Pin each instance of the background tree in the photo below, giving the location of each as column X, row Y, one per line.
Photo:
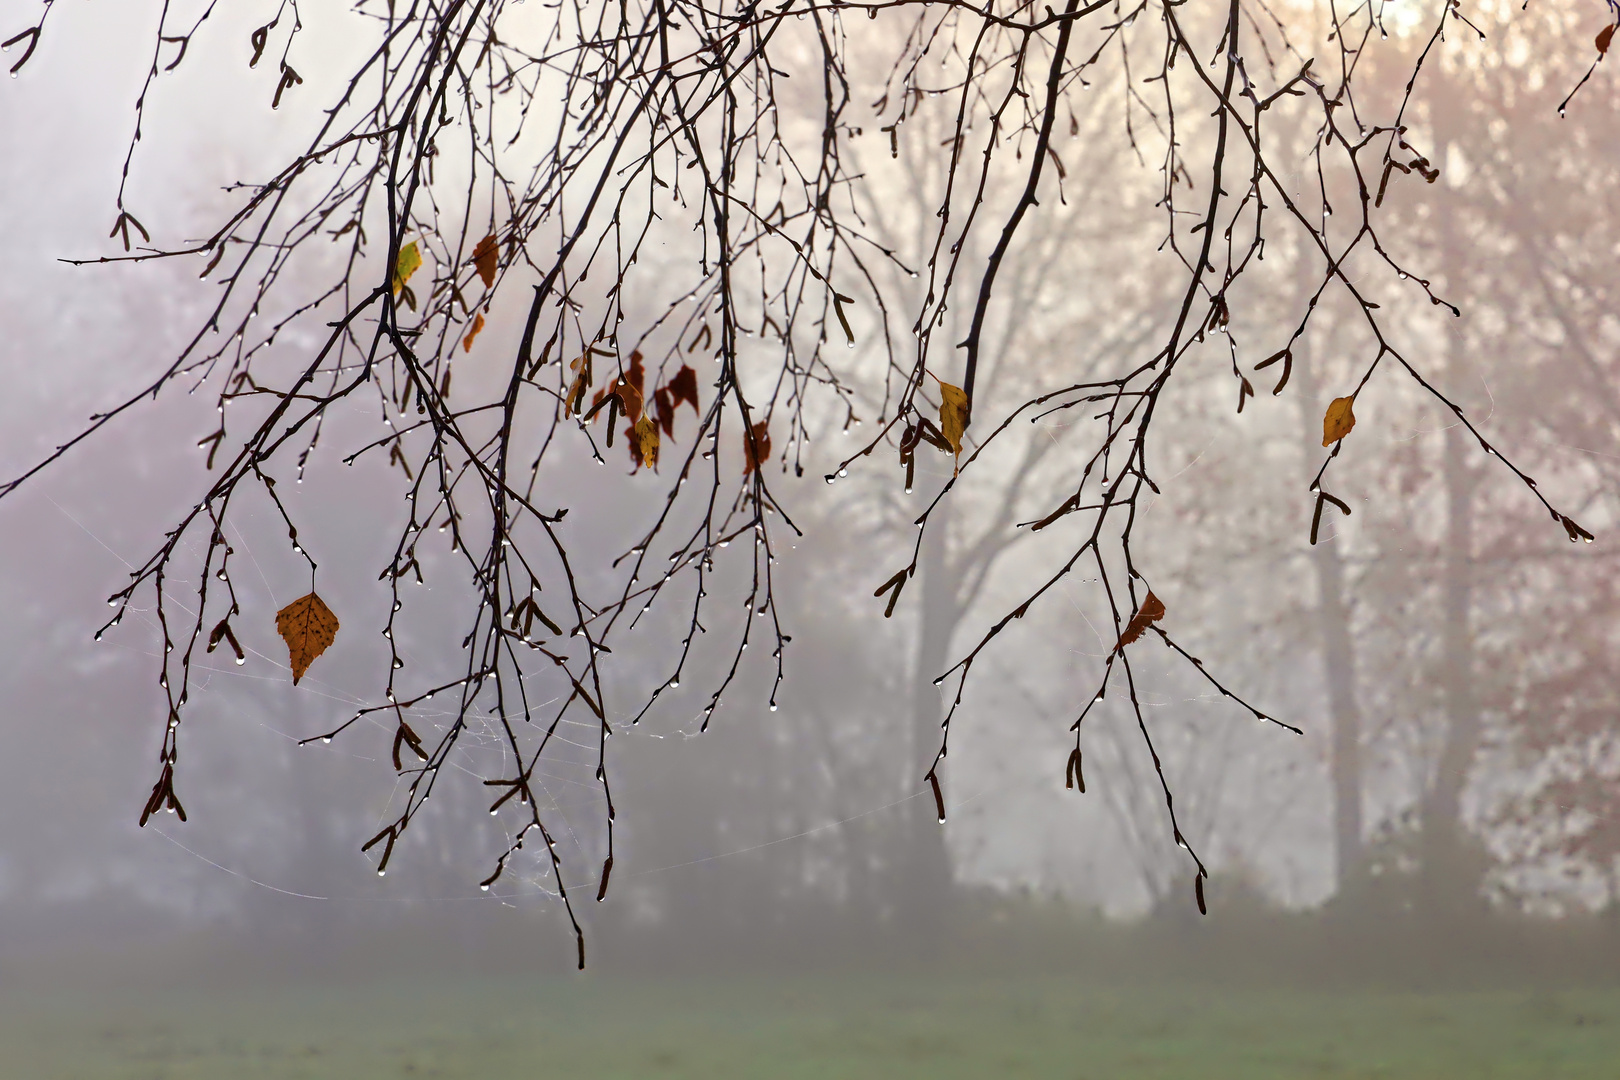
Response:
column 686, row 231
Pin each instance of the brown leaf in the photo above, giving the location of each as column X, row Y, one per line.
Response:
column 487, row 259
column 756, row 447
column 1151, row 611
column 636, row 374
column 683, row 387
column 665, row 403
column 629, row 401
column 953, row 415
column 308, row 627
column 477, row 326
column 1605, row 36
column 629, row 398
column 1338, row 421
column 644, row 443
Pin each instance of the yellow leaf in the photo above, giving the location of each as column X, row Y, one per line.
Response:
column 644, row 442
column 409, row 259
column 308, row 627
column 478, row 324
column 1338, row 421
column 953, row 414
column 487, row 259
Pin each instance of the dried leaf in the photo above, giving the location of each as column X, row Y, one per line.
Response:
column 487, row 259
column 1605, row 36
column 629, row 398
column 953, row 415
column 410, row 258
column 1338, row 421
column 308, row 627
column 477, row 326
column 644, row 443
column 620, row 395
column 636, row 374
column 664, row 402
column 1151, row 611
column 683, row 387
column 756, row 447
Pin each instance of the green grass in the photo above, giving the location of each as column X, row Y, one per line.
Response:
column 853, row 1027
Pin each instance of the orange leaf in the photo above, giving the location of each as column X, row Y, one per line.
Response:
column 1338, row 421
column 1151, row 611
column 756, row 447
column 308, row 627
column 1605, row 36
column 487, row 259
column 478, row 324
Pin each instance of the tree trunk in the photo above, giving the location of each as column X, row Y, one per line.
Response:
column 1338, row 662
column 925, row 882
column 1447, row 872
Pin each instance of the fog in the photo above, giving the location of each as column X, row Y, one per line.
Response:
column 1444, row 822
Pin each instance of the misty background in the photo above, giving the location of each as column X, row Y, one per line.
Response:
column 1450, row 812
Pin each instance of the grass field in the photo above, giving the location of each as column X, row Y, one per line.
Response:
column 852, row 1027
